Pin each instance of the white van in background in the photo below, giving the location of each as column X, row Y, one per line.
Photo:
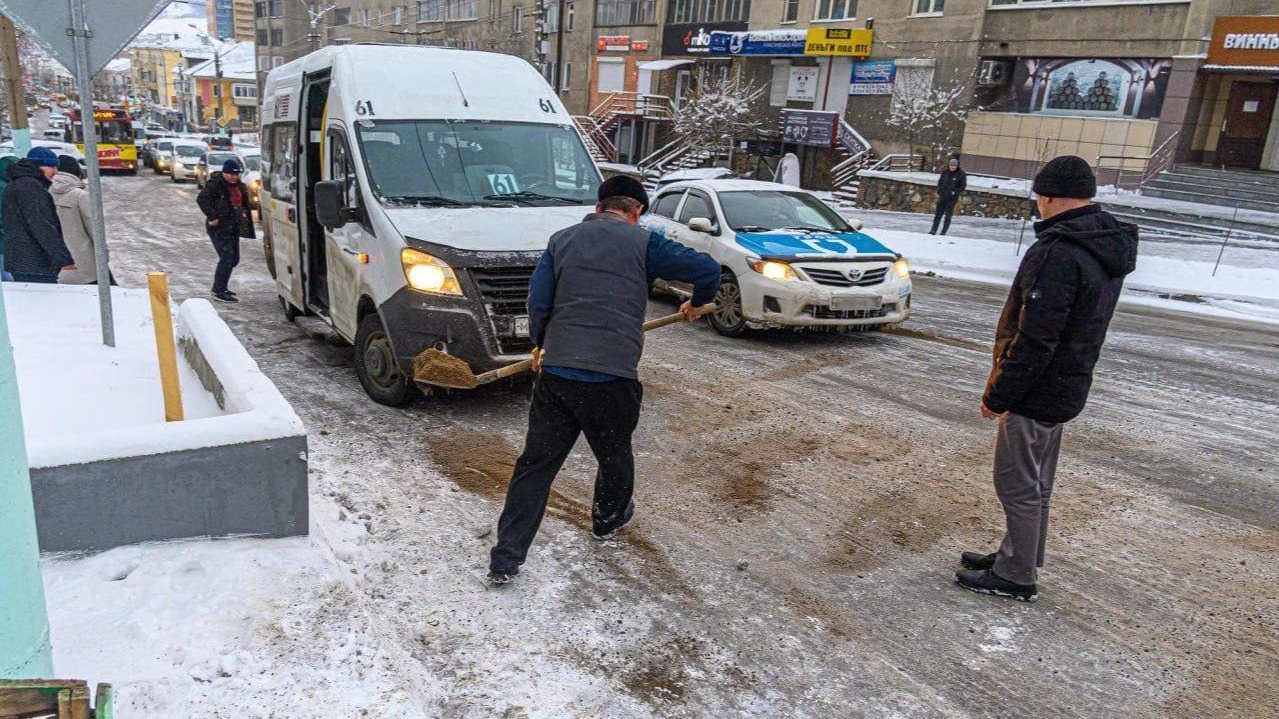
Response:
column 407, row 194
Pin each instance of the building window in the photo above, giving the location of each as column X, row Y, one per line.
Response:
column 568, row 17
column 341, row 16
column 398, row 15
column 708, row 11
column 441, row 10
column 276, row 61
column 566, row 76
column 517, row 19
column 836, row 10
column 625, row 12
column 548, row 72
column 275, row 8
column 790, row 10
column 366, row 17
column 244, row 92
column 277, row 36
column 259, row 9
column 262, row 38
column 552, row 16
column 929, row 7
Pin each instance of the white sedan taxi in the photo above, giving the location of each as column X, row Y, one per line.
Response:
column 789, row 260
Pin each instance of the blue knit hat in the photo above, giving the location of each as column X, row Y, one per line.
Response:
column 43, row 156
column 232, row 165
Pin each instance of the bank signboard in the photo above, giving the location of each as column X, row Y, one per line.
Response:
column 759, row 42
column 873, row 78
column 1245, row 41
column 694, row 38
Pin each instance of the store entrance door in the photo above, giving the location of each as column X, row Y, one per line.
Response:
column 1248, row 114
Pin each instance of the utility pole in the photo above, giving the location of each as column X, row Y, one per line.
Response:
column 217, row 90
column 13, row 87
column 559, row 48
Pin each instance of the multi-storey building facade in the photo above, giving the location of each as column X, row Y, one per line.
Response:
column 230, row 20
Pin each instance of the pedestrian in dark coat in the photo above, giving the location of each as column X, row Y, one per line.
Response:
column 1046, row 346
column 950, row 185
column 5, row 162
column 34, row 250
column 586, row 305
column 227, row 217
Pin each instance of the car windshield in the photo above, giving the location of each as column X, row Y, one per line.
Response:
column 759, row 210
column 164, row 146
column 215, row 159
column 191, row 151
column 477, row 163
column 253, row 163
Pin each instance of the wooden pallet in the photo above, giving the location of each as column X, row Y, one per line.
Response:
column 32, row 698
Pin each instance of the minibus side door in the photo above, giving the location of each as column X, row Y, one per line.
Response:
column 345, row 245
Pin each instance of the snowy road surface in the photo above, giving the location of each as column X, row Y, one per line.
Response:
column 803, row 500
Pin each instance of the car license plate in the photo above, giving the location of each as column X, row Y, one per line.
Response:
column 855, row 303
column 520, row 326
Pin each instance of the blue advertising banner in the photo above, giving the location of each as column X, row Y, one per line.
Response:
column 759, row 42
column 873, row 78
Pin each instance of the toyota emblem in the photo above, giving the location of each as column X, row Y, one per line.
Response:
column 854, row 274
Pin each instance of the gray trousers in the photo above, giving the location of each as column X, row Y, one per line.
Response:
column 1025, row 464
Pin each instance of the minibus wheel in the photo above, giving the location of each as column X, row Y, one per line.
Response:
column 375, row 363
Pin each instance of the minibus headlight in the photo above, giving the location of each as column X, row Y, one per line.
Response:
column 427, row 273
column 901, row 268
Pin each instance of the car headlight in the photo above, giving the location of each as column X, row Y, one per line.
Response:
column 777, row 271
column 427, row 273
column 256, row 185
column 901, row 268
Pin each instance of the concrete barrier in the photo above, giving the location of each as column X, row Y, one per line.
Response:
column 242, row 473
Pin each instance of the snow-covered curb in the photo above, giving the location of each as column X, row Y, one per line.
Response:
column 1007, row 186
column 256, row 409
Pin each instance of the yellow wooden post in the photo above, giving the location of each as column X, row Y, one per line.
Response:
column 158, row 284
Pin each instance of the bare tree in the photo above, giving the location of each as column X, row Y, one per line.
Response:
column 716, row 112
column 924, row 109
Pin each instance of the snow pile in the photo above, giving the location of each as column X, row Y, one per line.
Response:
column 83, row 401
column 1249, row 291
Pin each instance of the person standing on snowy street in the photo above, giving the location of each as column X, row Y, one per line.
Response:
column 586, row 305
column 1046, row 346
column 72, row 203
column 227, row 218
column 5, row 162
column 34, row 250
column 950, row 185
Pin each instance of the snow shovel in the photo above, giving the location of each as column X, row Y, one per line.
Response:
column 441, row 369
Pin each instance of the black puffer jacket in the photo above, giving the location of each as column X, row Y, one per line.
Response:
column 33, row 236
column 1054, row 322
column 215, row 202
column 950, row 184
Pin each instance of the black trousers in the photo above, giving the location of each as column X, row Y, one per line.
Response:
column 607, row 413
column 945, row 208
column 228, row 249
column 38, row 279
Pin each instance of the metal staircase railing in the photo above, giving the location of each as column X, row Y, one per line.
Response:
column 597, row 143
column 1159, row 160
column 620, row 106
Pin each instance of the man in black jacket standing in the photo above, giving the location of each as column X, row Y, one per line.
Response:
column 1046, row 345
column 225, row 204
column 34, row 250
column 950, row 184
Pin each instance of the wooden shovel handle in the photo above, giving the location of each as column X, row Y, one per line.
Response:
column 663, row 321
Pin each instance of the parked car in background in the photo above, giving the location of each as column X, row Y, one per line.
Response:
column 210, row 162
column 696, row 173
column 252, row 177
column 788, row 259
column 53, row 133
column 185, row 156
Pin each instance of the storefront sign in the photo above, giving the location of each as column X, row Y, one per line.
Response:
column 694, row 39
column 873, row 78
column 758, row 42
column 639, row 45
column 803, row 84
column 613, row 43
column 842, row 42
column 1091, row 87
column 816, row 129
column 1245, row 41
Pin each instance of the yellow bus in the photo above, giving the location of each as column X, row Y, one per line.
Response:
column 116, row 150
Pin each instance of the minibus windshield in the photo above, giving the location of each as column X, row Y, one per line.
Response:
column 458, row 163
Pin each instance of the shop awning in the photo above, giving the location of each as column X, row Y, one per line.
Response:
column 658, row 65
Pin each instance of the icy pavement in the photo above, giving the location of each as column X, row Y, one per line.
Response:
column 1177, row 275
column 842, row 474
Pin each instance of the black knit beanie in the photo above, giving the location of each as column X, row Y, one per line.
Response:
column 623, row 186
column 1066, row 176
column 70, row 165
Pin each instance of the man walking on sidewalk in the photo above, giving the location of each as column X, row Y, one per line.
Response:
column 586, row 311
column 1046, row 345
column 227, row 218
column 950, row 185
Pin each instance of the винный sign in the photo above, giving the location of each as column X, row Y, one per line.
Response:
column 1245, row 41
column 839, row 42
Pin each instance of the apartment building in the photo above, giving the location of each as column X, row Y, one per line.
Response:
column 230, row 20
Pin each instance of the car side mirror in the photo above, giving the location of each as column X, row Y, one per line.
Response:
column 328, row 204
column 856, row 225
column 700, row 224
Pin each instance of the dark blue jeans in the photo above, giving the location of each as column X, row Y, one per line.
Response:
column 228, row 249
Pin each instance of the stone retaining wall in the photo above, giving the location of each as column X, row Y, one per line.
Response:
column 881, row 193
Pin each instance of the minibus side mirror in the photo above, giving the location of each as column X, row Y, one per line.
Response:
column 328, row 204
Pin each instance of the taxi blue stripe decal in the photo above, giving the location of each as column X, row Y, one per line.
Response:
column 811, row 244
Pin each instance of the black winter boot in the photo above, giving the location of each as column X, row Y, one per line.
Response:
column 973, row 560
column 987, row 582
